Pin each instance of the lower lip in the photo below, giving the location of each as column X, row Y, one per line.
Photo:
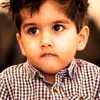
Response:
column 49, row 56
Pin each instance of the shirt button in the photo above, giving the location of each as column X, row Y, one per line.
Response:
column 40, row 76
column 81, row 98
column 55, row 90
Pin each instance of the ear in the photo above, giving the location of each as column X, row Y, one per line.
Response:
column 83, row 38
column 20, row 43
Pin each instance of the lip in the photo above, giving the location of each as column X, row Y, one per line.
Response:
column 48, row 55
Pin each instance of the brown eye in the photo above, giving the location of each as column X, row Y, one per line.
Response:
column 33, row 30
column 58, row 28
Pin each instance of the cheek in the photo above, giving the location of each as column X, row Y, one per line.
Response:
column 30, row 47
column 67, row 46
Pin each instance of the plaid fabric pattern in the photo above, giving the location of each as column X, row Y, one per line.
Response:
column 24, row 82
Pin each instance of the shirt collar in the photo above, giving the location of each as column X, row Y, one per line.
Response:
column 71, row 71
column 31, row 69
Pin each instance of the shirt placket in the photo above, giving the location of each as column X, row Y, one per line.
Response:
column 56, row 93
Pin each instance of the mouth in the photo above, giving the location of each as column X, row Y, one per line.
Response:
column 48, row 55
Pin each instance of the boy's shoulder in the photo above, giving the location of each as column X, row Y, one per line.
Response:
column 14, row 71
column 88, row 68
column 85, row 64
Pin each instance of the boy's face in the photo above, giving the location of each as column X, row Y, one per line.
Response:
column 48, row 38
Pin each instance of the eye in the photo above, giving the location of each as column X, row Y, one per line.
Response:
column 58, row 28
column 33, row 30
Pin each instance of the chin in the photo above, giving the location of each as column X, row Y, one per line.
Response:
column 49, row 72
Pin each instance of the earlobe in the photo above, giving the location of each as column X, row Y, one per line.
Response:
column 20, row 43
column 83, row 38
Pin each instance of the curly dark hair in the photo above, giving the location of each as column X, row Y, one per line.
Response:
column 76, row 10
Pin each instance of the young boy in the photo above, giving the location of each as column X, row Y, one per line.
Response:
column 49, row 33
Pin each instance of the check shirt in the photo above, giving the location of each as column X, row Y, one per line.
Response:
column 24, row 82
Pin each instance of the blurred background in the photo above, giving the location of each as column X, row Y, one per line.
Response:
column 10, row 53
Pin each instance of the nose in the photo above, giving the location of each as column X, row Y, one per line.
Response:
column 46, row 40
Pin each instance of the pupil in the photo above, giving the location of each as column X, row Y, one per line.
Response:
column 33, row 30
column 56, row 27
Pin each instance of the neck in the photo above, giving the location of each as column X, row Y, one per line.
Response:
column 49, row 78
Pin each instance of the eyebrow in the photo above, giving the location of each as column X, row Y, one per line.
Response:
column 55, row 22
column 62, row 21
column 28, row 24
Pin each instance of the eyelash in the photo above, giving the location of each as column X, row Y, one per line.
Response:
column 56, row 26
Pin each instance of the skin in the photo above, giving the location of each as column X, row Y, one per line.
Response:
column 55, row 41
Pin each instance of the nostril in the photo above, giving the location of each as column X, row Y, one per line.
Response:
column 49, row 45
column 43, row 46
column 46, row 45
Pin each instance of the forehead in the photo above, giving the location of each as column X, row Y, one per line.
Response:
column 45, row 9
